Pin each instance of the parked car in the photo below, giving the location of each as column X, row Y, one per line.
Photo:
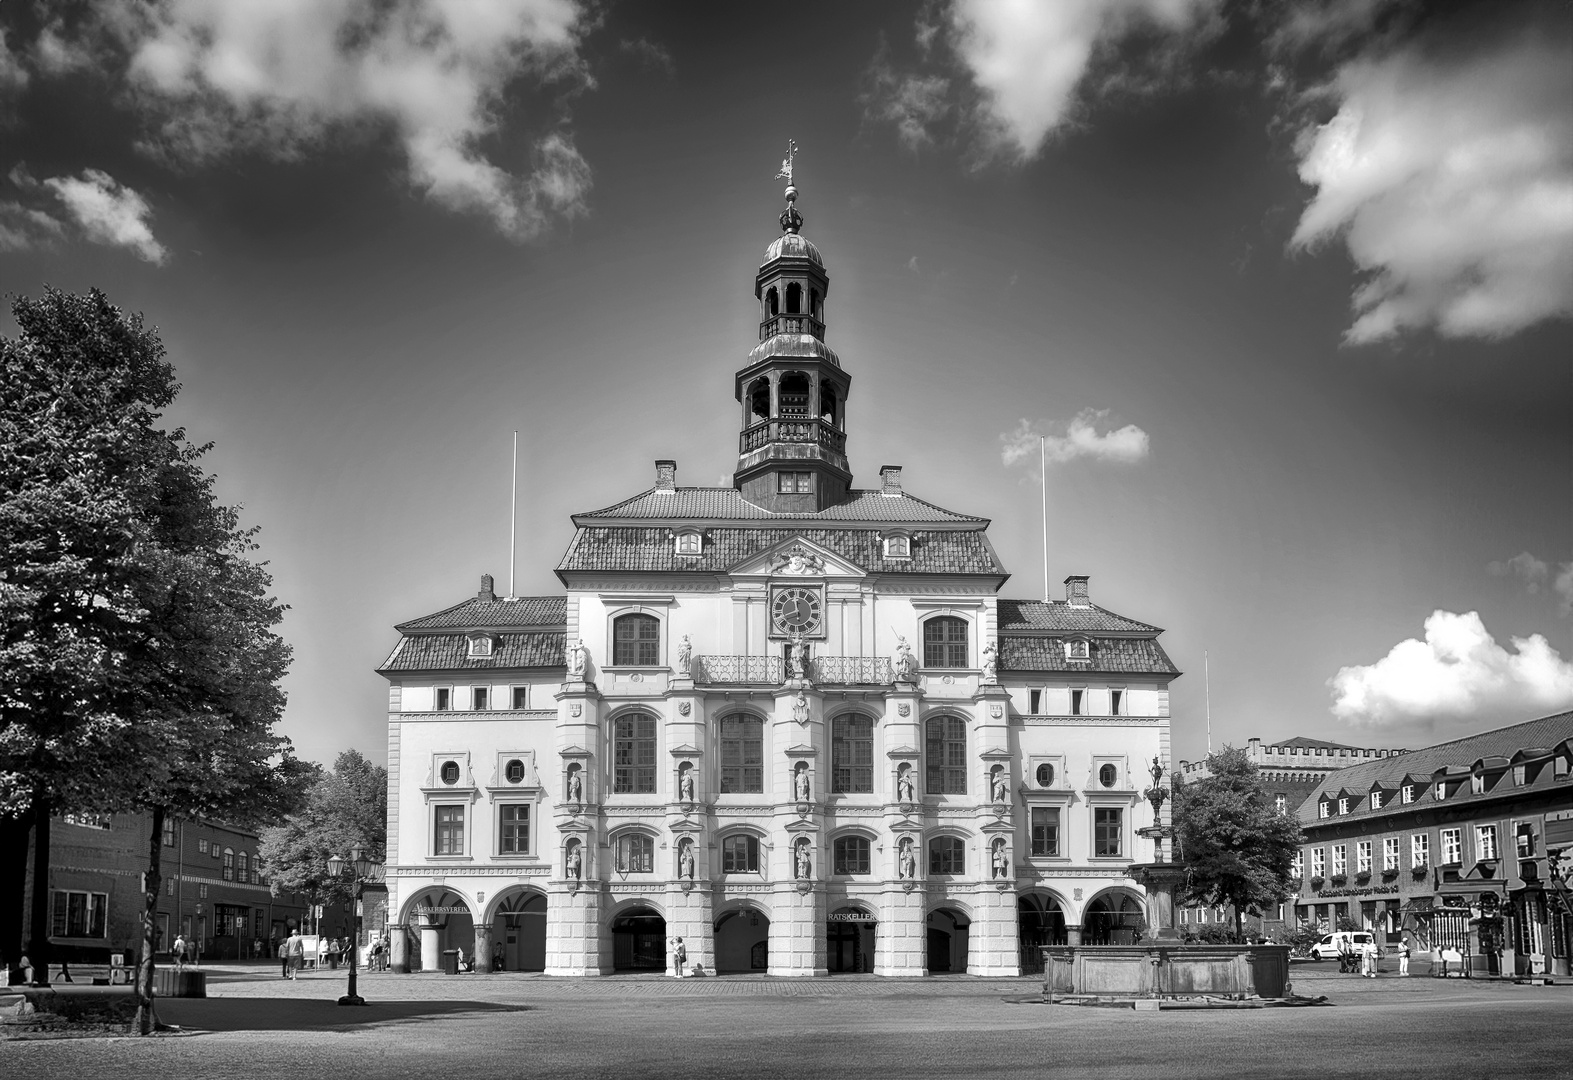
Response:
column 1344, row 941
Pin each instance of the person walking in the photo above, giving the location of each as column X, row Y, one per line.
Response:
column 177, row 952
column 1403, row 957
column 1368, row 960
column 296, row 947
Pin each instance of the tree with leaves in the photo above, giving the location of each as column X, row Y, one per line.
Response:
column 344, row 809
column 1237, row 847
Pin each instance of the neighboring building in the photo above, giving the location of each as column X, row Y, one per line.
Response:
column 1449, row 843
column 794, row 725
column 213, row 889
column 1291, row 769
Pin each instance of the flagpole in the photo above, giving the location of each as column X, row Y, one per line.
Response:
column 1043, row 470
column 513, row 517
column 1207, row 691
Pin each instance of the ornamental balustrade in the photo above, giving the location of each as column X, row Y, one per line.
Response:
column 722, row 670
column 850, row 670
column 805, row 430
column 791, row 324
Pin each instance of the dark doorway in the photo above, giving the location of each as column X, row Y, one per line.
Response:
column 639, row 941
column 1113, row 919
column 1039, row 921
column 849, row 941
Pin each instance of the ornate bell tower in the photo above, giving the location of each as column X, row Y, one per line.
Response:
column 792, row 452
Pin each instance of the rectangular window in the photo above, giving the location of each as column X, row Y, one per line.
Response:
column 1318, row 862
column 1407, row 793
column 1477, row 783
column 635, row 854
column 636, row 640
column 945, row 642
column 1324, row 809
column 521, row 697
column 852, row 754
column 1363, row 857
column 1485, row 842
column 1390, row 853
column 1524, row 832
column 79, row 914
column 634, row 756
column 444, row 699
column 169, row 832
column 1034, row 701
column 851, row 854
column 795, row 481
column 740, row 855
column 202, row 846
column 1108, row 832
column 1045, row 830
column 1297, row 865
column 1452, row 847
column 479, row 697
column 688, row 543
column 1281, row 802
column 1343, row 806
column 242, row 867
column 169, row 886
column 946, row 745
column 742, row 754
column 513, row 829
column 1376, row 800
column 1441, row 790
column 1520, row 775
column 947, row 855
column 1340, row 859
column 1419, row 849
column 450, row 830
column 1077, row 697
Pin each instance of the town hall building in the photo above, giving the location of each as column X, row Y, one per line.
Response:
column 789, row 721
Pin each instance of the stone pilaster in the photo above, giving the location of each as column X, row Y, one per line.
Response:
column 902, row 947
column 688, row 917
column 574, row 938
column 483, row 949
column 797, row 933
column 993, row 945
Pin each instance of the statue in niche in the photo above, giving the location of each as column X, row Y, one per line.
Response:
column 578, row 659
column 904, row 791
column 991, row 663
column 800, row 864
column 685, row 859
column 906, row 667
column 800, row 708
column 1000, row 861
column 999, row 785
column 685, row 656
column 906, row 861
column 575, row 784
column 685, row 782
column 800, row 789
column 572, row 862
column 797, row 658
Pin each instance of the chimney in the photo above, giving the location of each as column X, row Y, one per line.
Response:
column 890, row 476
column 666, row 476
column 1076, row 591
column 486, row 594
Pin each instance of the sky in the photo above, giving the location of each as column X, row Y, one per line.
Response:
column 1286, row 288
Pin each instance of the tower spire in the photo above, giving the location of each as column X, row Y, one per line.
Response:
column 791, row 220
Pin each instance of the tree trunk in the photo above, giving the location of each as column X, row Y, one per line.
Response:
column 1239, row 934
column 13, row 888
column 153, row 881
column 38, row 943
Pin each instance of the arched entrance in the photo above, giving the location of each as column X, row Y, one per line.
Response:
column 1040, row 921
column 441, row 922
column 639, row 940
column 1114, row 918
column 948, row 933
column 849, row 940
column 742, row 941
column 519, row 932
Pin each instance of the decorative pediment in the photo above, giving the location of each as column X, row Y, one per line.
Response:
column 996, row 754
column 685, row 824
column 797, row 557
column 901, row 752
column 573, row 752
column 801, row 750
column 686, row 751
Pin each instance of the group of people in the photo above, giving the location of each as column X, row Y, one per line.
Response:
column 1366, row 958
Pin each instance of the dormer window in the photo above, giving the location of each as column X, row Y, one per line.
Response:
column 689, row 543
column 1078, row 649
column 481, row 645
column 1407, row 793
column 1343, row 805
column 898, row 547
column 1477, row 784
column 1441, row 790
column 1376, row 800
column 1324, row 809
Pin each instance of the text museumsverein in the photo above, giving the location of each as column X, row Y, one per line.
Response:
column 788, row 721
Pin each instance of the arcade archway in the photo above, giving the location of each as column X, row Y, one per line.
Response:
column 850, row 934
column 742, row 941
column 1113, row 918
column 639, row 939
column 519, row 931
column 439, row 920
column 949, row 931
column 1040, row 921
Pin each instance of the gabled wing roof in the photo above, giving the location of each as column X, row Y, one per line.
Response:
column 450, row 652
column 1028, row 615
column 1126, row 655
column 600, row 547
column 478, row 614
column 728, row 504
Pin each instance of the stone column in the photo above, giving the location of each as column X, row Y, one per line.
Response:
column 574, row 932
column 797, row 934
column 483, row 948
column 431, row 945
column 1072, row 934
column 993, row 945
column 902, row 947
column 399, row 950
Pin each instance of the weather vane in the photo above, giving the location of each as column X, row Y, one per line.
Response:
column 786, row 163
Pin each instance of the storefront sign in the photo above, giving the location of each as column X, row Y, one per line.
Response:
column 445, row 910
column 1369, row 890
column 852, row 916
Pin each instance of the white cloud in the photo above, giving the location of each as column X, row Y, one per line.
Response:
column 1081, row 440
column 1524, row 566
column 281, row 77
column 1562, row 585
column 1457, row 672
column 23, row 227
column 108, row 212
column 914, row 104
column 1449, row 175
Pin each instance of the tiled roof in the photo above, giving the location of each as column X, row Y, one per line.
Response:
column 728, row 504
column 1301, row 740
column 615, row 548
column 476, row 613
column 1548, row 731
column 1131, row 655
column 449, row 652
column 1059, row 615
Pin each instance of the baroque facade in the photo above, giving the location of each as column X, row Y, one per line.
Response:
column 788, row 721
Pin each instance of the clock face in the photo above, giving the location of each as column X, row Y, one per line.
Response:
column 796, row 610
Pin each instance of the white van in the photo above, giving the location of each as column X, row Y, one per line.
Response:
column 1342, row 941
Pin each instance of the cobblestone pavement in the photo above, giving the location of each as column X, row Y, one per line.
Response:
column 255, row 1024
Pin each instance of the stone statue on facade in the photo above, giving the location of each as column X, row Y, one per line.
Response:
column 801, row 867
column 685, row 783
column 578, row 659
column 991, row 663
column 800, row 789
column 1000, row 861
column 904, row 790
column 575, row 792
column 685, row 860
column 573, row 862
column 685, row 657
column 906, row 862
column 800, row 708
column 797, row 658
column 903, row 663
column 999, row 785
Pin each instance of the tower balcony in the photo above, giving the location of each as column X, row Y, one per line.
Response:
column 792, row 430
column 791, row 324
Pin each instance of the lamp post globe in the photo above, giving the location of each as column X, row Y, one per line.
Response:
column 335, row 864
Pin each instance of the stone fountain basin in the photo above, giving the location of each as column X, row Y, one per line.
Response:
column 1166, row 970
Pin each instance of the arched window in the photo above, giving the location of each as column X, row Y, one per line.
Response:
column 633, row 751
column 740, row 854
column 636, row 640
column 759, row 399
column 852, row 754
column 851, row 855
column 827, row 404
column 947, row 855
column 772, row 301
column 794, row 394
column 813, row 304
column 742, row 754
column 794, row 299
column 947, row 756
column 634, row 854
column 229, row 864
column 945, row 642
column 242, row 867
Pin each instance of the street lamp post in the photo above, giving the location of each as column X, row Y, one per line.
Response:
column 362, row 867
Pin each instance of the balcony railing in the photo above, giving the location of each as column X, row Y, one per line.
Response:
column 725, row 670
column 791, row 324
column 850, row 670
column 793, row 431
